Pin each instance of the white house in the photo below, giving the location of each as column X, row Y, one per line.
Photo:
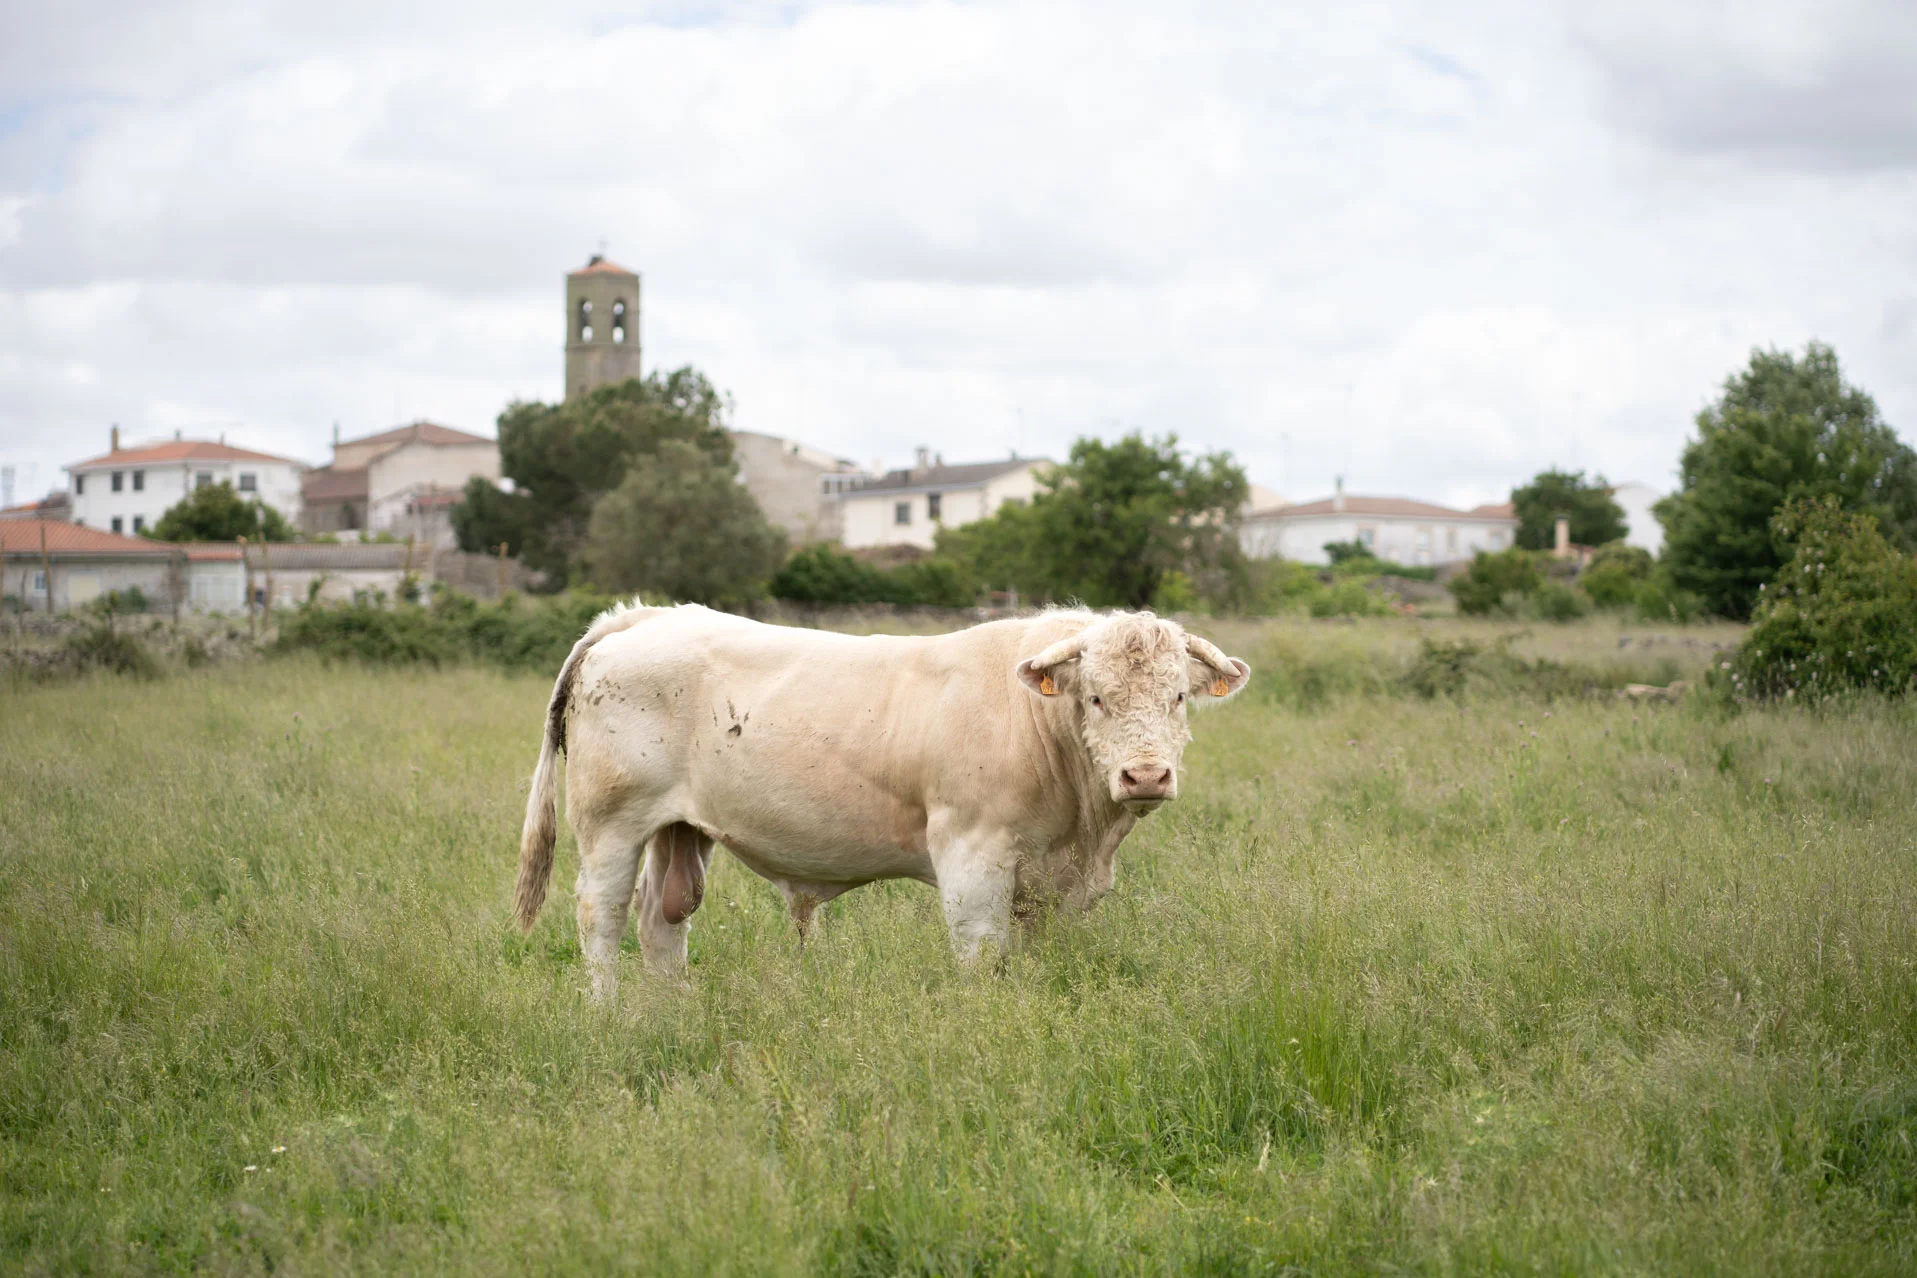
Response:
column 908, row 507
column 795, row 484
column 127, row 490
column 1641, row 526
column 399, row 481
column 1393, row 528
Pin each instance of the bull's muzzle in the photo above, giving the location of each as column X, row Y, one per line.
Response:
column 1146, row 784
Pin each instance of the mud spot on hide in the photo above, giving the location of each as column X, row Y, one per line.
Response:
column 735, row 730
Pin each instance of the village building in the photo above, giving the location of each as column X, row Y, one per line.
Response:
column 403, row 482
column 795, row 484
column 126, row 490
column 76, row 565
column 907, row 507
column 1397, row 529
column 602, row 325
column 1642, row 527
column 56, row 505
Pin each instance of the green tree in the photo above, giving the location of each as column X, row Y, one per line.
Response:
column 1496, row 583
column 1786, row 427
column 1838, row 617
column 216, row 513
column 1595, row 518
column 680, row 524
column 563, row 457
column 1615, row 574
column 1109, row 524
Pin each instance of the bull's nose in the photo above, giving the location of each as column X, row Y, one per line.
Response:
column 1145, row 781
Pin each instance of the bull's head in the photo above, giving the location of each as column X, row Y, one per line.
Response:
column 1130, row 679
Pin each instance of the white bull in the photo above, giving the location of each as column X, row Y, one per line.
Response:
column 1002, row 764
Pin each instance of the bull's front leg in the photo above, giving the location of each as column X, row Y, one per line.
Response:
column 977, row 875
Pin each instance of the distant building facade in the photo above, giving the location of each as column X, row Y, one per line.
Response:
column 795, row 484
column 1393, row 528
column 907, row 507
column 602, row 325
column 74, row 565
column 1642, row 528
column 126, row 490
column 403, row 481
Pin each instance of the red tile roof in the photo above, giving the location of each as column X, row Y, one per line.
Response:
column 598, row 265
column 418, row 432
column 211, row 551
column 329, row 483
column 22, row 537
column 1384, row 507
column 179, row 450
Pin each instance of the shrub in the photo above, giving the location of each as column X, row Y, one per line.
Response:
column 1659, row 598
column 1495, row 583
column 100, row 647
column 1839, row 615
column 1616, row 572
column 1555, row 601
column 823, row 574
column 1347, row 598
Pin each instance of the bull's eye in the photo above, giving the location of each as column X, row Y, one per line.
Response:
column 1181, row 698
column 1097, row 704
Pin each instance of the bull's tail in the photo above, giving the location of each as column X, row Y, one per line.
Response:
column 541, row 831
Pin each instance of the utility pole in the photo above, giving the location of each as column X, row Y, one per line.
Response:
column 246, row 571
column 502, row 570
column 46, row 566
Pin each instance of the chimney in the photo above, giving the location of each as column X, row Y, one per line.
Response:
column 115, row 438
column 1338, row 496
column 176, row 434
column 924, row 456
column 336, row 434
column 1562, row 548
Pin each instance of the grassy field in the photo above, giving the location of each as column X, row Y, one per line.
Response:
column 1484, row 983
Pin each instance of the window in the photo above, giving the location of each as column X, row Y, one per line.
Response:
column 932, row 506
column 1368, row 536
column 116, row 520
column 118, row 476
column 619, row 320
column 202, row 479
column 139, row 522
column 79, row 485
column 40, row 581
column 139, row 481
column 902, row 512
column 1497, row 539
column 585, row 320
column 250, row 482
column 1423, row 538
column 1451, row 541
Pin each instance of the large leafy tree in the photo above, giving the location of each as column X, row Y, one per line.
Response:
column 217, row 513
column 1786, row 427
column 681, row 525
column 563, row 457
column 1595, row 517
column 1112, row 524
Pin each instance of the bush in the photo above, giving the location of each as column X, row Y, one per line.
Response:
column 1497, row 583
column 1658, row 598
column 100, row 647
column 1347, row 598
column 1615, row 574
column 517, row 633
column 822, row 574
column 1839, row 616
column 1555, row 601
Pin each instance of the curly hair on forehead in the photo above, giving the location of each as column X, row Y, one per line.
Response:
column 1141, row 637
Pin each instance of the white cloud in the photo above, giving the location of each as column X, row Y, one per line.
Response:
column 1435, row 254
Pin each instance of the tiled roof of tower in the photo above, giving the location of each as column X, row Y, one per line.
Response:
column 22, row 536
column 180, row 450
column 1382, row 507
column 600, row 266
column 419, row 432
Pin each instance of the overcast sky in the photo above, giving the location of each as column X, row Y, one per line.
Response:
column 1431, row 251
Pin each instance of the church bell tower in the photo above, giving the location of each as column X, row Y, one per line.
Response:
column 602, row 325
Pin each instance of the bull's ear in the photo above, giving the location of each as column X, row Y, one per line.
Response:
column 1213, row 674
column 1046, row 681
column 1048, row 673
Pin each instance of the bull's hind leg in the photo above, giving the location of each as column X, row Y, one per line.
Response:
column 608, row 866
column 673, row 885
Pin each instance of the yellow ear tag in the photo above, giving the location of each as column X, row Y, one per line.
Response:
column 1047, row 687
column 1219, row 687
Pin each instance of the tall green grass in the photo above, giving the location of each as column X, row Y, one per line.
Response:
column 1492, row 980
